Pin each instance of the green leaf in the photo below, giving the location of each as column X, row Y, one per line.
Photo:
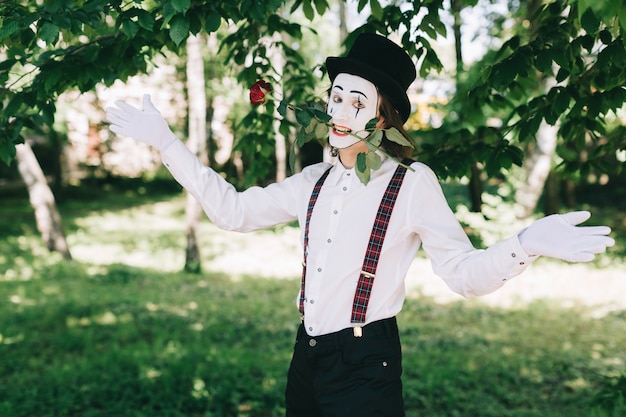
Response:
column 307, row 9
column 179, row 29
column 373, row 160
column 561, row 101
column 8, row 28
column 374, row 140
column 282, row 108
column 13, row 106
column 394, row 135
column 360, row 161
column 145, row 20
column 321, row 130
column 7, row 151
column 130, row 28
column 292, row 159
column 504, row 72
column 51, row 78
column 213, row 22
column 562, row 75
column 516, row 154
column 589, row 21
column 49, row 33
column 6, row 64
column 370, row 126
column 543, row 61
column 605, row 37
column 304, row 118
column 362, row 171
column 377, row 11
column 181, row 6
column 322, row 116
column 504, row 160
column 321, row 6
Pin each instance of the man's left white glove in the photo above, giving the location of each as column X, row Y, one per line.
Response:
column 145, row 125
column 557, row 236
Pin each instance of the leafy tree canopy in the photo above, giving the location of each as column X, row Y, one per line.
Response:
column 48, row 47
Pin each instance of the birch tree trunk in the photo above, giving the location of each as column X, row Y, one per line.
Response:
column 197, row 143
column 42, row 200
column 281, row 150
column 537, row 166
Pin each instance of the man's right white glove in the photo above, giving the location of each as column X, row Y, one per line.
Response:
column 145, row 125
column 557, row 236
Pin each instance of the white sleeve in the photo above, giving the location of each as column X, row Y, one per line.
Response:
column 252, row 209
column 465, row 269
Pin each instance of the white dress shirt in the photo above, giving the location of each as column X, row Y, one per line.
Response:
column 340, row 228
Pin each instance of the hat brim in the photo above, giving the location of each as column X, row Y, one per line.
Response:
column 385, row 84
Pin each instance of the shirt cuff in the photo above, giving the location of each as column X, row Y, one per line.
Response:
column 515, row 257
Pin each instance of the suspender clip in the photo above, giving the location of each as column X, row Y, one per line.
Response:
column 368, row 274
column 358, row 331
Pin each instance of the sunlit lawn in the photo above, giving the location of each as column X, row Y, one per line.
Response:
column 121, row 332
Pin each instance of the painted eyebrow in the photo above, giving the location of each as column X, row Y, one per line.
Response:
column 358, row 92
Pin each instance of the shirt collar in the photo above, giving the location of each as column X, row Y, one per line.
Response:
column 339, row 172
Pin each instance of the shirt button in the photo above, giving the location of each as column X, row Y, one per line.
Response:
column 335, row 211
column 513, row 255
column 319, row 269
column 312, row 301
column 345, row 188
column 521, row 263
column 329, row 240
column 310, row 329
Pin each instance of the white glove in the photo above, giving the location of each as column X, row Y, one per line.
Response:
column 557, row 236
column 145, row 125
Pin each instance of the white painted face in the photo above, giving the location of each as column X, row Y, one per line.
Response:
column 352, row 103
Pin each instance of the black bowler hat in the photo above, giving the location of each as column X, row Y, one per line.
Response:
column 382, row 62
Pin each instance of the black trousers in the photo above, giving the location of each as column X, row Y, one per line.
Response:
column 340, row 375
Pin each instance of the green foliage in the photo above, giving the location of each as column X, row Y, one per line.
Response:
column 584, row 51
column 419, row 20
column 55, row 46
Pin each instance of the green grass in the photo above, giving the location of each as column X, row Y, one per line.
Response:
column 95, row 338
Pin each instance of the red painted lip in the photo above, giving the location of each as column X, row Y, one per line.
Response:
column 343, row 132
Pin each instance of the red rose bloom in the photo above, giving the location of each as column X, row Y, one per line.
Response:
column 258, row 91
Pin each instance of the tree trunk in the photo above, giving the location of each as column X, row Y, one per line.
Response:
column 197, row 143
column 42, row 200
column 537, row 166
column 281, row 151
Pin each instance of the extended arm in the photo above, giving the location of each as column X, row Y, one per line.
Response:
column 252, row 209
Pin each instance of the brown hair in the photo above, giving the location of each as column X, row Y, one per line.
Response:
column 392, row 118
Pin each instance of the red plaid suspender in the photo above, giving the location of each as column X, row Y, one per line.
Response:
column 370, row 262
column 312, row 201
